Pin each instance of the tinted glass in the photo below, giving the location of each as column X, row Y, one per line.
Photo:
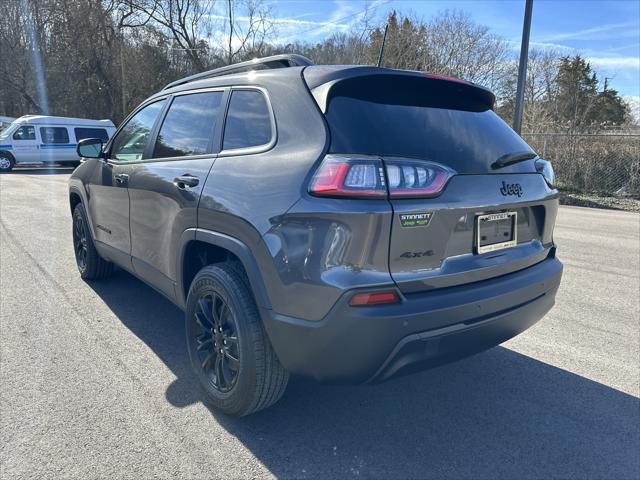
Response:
column 248, row 120
column 25, row 133
column 82, row 133
column 189, row 125
column 131, row 141
column 54, row 135
column 419, row 118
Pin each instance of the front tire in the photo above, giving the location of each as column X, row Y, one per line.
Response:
column 90, row 264
column 229, row 350
column 7, row 162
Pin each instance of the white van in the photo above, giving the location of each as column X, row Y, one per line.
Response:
column 40, row 139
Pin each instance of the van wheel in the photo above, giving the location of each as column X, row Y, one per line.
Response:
column 7, row 162
column 229, row 350
column 90, row 264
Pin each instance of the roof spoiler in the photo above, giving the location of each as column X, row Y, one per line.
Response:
column 274, row 61
column 321, row 80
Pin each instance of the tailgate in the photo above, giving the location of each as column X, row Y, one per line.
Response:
column 444, row 251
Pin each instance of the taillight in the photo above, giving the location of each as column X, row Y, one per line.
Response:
column 344, row 176
column 340, row 176
column 416, row 178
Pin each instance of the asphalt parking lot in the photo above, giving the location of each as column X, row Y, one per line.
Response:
column 95, row 382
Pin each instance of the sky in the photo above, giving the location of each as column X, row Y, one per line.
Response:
column 607, row 33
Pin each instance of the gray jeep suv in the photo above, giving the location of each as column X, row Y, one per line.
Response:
column 346, row 223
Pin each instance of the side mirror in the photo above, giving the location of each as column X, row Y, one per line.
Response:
column 90, row 148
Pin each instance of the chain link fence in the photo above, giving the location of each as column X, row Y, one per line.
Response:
column 602, row 164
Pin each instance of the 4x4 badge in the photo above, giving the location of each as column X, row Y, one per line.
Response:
column 415, row 219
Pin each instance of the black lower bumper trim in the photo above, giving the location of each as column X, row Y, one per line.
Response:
column 432, row 348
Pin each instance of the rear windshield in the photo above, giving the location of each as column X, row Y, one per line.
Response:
column 421, row 118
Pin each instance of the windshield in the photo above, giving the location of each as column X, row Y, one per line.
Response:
column 408, row 117
column 6, row 133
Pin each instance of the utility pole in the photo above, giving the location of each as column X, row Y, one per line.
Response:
column 122, row 83
column 384, row 39
column 230, row 32
column 522, row 66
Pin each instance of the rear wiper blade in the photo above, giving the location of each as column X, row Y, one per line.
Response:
column 511, row 158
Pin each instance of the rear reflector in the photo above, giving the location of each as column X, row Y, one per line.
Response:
column 374, row 298
column 345, row 176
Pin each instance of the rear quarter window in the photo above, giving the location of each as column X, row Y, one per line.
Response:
column 248, row 122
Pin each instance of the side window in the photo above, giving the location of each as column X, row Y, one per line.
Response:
column 129, row 144
column 189, row 125
column 26, row 132
column 54, row 135
column 248, row 120
column 82, row 133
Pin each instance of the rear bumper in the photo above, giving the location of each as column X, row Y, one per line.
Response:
column 370, row 344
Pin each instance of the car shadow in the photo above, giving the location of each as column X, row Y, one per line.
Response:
column 499, row 414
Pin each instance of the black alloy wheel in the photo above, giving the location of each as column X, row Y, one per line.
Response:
column 80, row 242
column 216, row 343
column 229, row 349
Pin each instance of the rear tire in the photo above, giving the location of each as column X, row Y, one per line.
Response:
column 90, row 264
column 7, row 162
column 229, row 350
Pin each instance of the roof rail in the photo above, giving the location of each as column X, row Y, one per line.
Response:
column 274, row 61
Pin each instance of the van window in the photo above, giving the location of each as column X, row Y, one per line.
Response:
column 54, row 135
column 189, row 125
column 248, row 120
column 27, row 132
column 82, row 133
column 131, row 140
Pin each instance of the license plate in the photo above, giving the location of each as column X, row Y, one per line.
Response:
column 496, row 231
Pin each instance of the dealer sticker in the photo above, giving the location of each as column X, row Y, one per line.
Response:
column 415, row 219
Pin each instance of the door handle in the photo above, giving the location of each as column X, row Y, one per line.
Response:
column 122, row 178
column 185, row 181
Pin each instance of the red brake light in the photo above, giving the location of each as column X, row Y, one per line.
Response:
column 343, row 176
column 374, row 298
column 349, row 177
column 446, row 77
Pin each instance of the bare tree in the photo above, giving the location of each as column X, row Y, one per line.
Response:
column 184, row 20
column 251, row 25
column 455, row 45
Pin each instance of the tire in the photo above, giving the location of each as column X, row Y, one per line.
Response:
column 229, row 350
column 90, row 264
column 7, row 162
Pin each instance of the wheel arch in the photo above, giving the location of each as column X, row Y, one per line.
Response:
column 218, row 247
column 7, row 153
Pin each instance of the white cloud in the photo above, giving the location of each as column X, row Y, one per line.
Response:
column 343, row 18
column 620, row 62
column 611, row 30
